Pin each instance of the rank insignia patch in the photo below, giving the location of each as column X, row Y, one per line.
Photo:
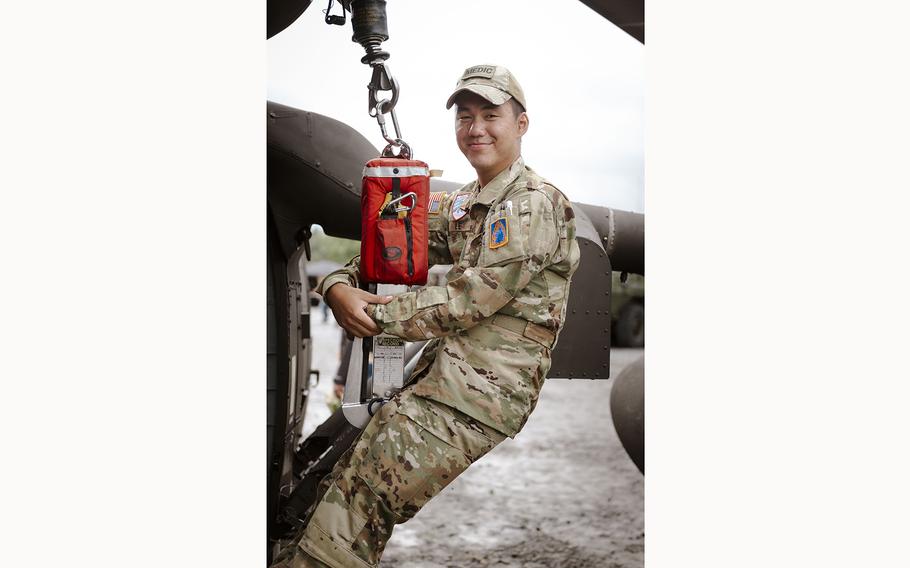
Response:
column 499, row 232
column 435, row 201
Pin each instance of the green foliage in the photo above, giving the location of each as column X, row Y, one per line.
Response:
column 325, row 247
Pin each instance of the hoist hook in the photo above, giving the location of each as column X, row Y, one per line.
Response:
column 368, row 18
column 382, row 80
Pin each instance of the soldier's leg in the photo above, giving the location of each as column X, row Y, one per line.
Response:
column 293, row 556
column 407, row 454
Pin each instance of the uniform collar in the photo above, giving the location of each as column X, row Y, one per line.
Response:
column 495, row 189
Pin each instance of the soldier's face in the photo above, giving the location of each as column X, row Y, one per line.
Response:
column 488, row 135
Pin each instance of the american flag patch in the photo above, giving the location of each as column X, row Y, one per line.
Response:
column 435, row 201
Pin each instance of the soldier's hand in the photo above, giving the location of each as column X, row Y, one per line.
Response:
column 349, row 308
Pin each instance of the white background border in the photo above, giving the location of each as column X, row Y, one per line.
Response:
column 133, row 234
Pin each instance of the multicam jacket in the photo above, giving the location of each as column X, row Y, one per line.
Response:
column 513, row 250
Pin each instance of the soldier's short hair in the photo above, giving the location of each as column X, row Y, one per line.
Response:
column 517, row 109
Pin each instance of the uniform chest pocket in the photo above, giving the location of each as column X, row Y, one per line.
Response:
column 460, row 232
column 464, row 226
column 505, row 239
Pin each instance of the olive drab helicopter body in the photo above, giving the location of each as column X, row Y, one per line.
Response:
column 314, row 166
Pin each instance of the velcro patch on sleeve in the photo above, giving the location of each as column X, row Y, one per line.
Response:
column 499, row 232
column 458, row 206
column 436, row 198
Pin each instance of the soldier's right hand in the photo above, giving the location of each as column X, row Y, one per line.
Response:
column 349, row 308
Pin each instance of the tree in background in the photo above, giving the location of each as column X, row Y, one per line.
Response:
column 324, row 247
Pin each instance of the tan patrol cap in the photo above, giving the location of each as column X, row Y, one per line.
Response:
column 495, row 83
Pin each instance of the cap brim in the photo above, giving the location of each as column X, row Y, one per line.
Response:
column 491, row 94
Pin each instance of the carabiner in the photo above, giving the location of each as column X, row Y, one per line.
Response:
column 386, row 210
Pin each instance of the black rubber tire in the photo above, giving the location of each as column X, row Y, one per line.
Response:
column 627, row 407
column 630, row 326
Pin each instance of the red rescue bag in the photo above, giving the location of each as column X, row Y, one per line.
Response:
column 393, row 210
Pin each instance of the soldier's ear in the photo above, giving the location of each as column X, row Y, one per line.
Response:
column 523, row 123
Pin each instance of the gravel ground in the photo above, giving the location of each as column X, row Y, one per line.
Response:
column 562, row 494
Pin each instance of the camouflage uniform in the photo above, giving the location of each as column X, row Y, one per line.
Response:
column 492, row 327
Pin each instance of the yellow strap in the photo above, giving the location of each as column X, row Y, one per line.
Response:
column 388, row 197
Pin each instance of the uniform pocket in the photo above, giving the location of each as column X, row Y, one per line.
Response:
column 452, row 427
column 334, row 522
column 504, row 239
column 432, row 296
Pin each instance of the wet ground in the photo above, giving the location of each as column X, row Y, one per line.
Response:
column 562, row 494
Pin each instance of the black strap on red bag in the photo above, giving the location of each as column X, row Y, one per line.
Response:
column 390, row 212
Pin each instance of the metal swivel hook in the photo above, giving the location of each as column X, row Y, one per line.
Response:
column 382, row 80
column 368, row 18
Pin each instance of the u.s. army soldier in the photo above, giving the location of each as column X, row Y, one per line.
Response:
column 510, row 236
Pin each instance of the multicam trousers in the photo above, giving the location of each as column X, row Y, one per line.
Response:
column 396, row 466
column 419, row 442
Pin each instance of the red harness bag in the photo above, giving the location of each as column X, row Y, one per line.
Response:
column 393, row 210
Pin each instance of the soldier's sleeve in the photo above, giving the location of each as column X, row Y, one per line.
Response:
column 504, row 268
column 438, row 225
column 349, row 274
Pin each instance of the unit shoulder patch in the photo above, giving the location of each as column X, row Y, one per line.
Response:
column 458, row 205
column 499, row 232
